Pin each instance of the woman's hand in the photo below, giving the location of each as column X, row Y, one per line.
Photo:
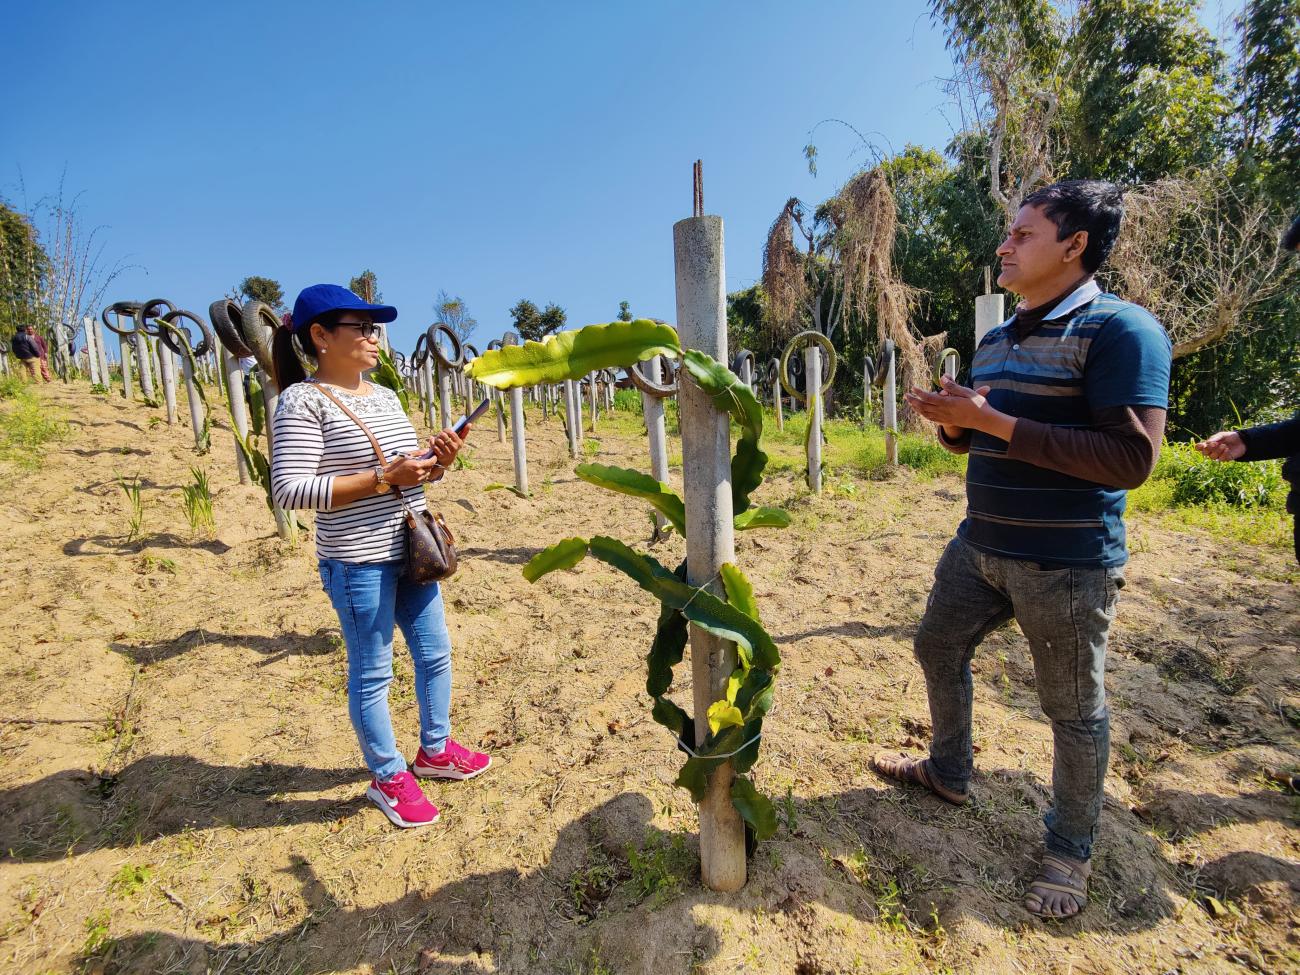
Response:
column 1226, row 445
column 409, row 471
column 446, row 445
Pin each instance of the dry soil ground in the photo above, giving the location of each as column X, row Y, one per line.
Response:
column 180, row 790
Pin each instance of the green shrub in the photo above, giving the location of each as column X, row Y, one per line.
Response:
column 629, row 401
column 1197, row 480
column 924, row 453
column 26, row 425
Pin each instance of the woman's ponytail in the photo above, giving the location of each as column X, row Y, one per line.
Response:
column 288, row 368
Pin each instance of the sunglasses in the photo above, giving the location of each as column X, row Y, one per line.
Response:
column 368, row 330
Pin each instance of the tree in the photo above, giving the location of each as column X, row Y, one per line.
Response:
column 263, row 289
column 366, row 287
column 24, row 268
column 624, row 312
column 533, row 325
column 1266, row 83
column 454, row 313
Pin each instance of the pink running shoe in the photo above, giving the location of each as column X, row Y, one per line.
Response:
column 403, row 801
column 455, row 761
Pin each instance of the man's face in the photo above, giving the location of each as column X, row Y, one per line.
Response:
column 1031, row 254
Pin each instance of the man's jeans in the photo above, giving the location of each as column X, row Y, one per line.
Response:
column 1065, row 615
column 369, row 597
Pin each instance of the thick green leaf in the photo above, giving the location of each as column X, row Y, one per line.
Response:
column 666, row 651
column 385, row 374
column 698, row 605
column 754, row 807
column 754, row 698
column 672, row 717
column 736, row 399
column 724, row 715
column 660, row 496
column 256, row 406
column 740, row 592
column 761, row 518
column 574, row 354
column 564, row 554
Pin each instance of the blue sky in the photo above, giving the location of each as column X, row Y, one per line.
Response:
column 495, row 151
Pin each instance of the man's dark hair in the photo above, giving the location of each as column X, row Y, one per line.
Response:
column 1291, row 239
column 1093, row 205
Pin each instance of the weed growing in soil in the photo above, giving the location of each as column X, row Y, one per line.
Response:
column 198, row 503
column 129, row 880
column 26, row 425
column 659, row 869
column 134, row 505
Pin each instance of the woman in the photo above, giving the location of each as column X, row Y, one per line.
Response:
column 324, row 461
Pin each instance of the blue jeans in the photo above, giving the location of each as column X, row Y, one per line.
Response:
column 1065, row 615
column 369, row 598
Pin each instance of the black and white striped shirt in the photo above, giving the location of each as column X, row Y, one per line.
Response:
column 314, row 441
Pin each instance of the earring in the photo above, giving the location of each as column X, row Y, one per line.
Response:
column 323, row 351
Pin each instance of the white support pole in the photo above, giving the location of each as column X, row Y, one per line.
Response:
column 444, row 396
column 891, row 413
column 706, row 458
column 92, row 354
column 656, row 432
column 812, row 371
column 573, row 417
column 990, row 312
column 101, row 354
column 866, row 394
column 128, row 388
column 517, row 438
column 142, row 357
column 192, row 392
column 285, row 522
column 167, row 374
column 426, row 372
column 238, row 409
column 593, row 395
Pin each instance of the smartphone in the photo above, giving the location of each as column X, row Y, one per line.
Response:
column 461, row 424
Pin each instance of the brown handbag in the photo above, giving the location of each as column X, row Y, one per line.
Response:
column 430, row 545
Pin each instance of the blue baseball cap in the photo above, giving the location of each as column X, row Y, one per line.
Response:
column 321, row 298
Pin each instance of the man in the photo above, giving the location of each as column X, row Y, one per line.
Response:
column 26, row 351
column 1270, row 441
column 1067, row 414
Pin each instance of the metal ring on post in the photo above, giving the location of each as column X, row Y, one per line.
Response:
column 226, row 317
column 421, row 354
column 883, row 358
column 258, row 324
column 145, row 316
column 657, row 390
column 799, row 341
column 944, row 356
column 120, row 310
column 510, row 338
column 399, row 360
column 869, row 369
column 169, row 326
column 738, row 362
column 469, row 354
column 451, row 362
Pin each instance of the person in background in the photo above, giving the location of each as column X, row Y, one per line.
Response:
column 324, row 462
column 26, row 351
column 1268, row 442
column 44, row 352
column 1066, row 413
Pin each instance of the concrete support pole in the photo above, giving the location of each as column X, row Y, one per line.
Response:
column 92, row 356
column 167, row 376
column 706, row 461
column 517, row 439
column 866, row 394
column 142, row 357
column 990, row 312
column 427, row 371
column 285, row 523
column 776, row 398
column 444, row 396
column 101, row 353
column 192, row 394
column 593, row 394
column 238, row 409
column 812, row 371
column 128, row 387
column 891, row 412
column 573, row 417
column 656, row 432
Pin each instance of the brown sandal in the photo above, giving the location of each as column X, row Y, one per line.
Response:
column 1059, row 876
column 916, row 771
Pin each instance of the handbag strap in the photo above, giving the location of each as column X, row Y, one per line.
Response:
column 379, row 451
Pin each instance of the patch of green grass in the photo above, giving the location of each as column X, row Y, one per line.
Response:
column 660, row 868
column 96, row 933
column 129, row 880
column 26, row 425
